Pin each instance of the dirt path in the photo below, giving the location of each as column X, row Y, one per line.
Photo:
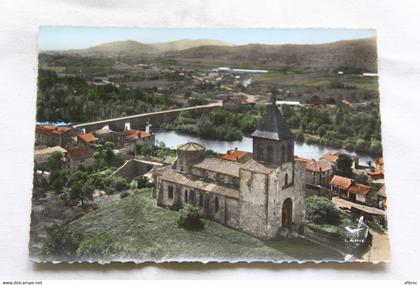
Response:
column 380, row 249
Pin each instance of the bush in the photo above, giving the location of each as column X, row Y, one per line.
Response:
column 61, row 241
column 300, row 137
column 320, row 210
column 124, row 195
column 189, row 218
column 119, row 183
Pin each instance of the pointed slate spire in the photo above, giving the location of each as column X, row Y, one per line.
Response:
column 273, row 126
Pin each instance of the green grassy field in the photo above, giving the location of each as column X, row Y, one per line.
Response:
column 140, row 230
column 315, row 79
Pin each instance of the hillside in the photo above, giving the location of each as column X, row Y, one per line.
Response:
column 354, row 55
column 186, row 44
column 131, row 48
column 136, row 229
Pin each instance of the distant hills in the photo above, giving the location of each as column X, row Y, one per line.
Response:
column 354, row 55
column 133, row 48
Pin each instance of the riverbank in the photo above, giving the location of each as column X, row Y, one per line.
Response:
column 310, row 151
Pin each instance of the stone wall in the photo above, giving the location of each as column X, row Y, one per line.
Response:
column 132, row 169
column 253, row 202
column 215, row 207
column 215, row 176
column 274, row 152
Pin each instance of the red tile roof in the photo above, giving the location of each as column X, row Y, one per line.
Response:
column 49, row 129
column 135, row 134
column 60, row 130
column 342, row 182
column 301, row 159
column 234, row 155
column 79, row 153
column 318, row 166
column 376, row 172
column 359, row 188
column 46, row 129
column 331, row 155
column 88, row 137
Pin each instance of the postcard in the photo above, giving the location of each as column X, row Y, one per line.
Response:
column 216, row 144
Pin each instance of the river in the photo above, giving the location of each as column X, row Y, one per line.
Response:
column 311, row 151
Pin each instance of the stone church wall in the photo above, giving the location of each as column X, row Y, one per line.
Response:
column 215, row 207
column 253, row 214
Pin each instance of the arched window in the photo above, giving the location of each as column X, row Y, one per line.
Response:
column 192, row 197
column 170, row 192
column 286, row 179
column 287, row 214
column 269, row 154
column 260, row 153
column 283, row 154
column 201, row 203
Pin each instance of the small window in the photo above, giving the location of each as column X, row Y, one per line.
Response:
column 283, row 154
column 186, row 196
column 192, row 197
column 269, row 158
column 170, row 192
column 201, row 203
column 216, row 204
column 286, row 179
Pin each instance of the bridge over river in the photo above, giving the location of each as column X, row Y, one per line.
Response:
column 140, row 121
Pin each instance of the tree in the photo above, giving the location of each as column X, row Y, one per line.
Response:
column 189, row 218
column 344, row 165
column 362, row 179
column 322, row 131
column 55, row 162
column 321, row 210
column 315, row 100
column 81, row 187
column 61, row 242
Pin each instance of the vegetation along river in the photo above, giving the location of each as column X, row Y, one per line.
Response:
column 311, row 151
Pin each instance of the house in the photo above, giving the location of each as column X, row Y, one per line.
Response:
column 132, row 137
column 236, row 103
column 104, row 135
column 357, row 210
column 346, row 188
column 236, row 155
column 319, row 172
column 42, row 155
column 52, row 135
column 344, row 104
column 263, row 196
column 332, row 156
column 374, row 175
column 78, row 156
column 87, row 139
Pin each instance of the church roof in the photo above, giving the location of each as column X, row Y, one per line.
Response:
column 190, row 181
column 273, row 126
column 191, row 146
column 220, row 166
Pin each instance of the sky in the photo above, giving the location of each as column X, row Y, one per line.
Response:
column 61, row 38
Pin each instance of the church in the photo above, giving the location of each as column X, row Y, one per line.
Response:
column 263, row 196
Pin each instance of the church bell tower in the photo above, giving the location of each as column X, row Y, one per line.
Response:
column 273, row 143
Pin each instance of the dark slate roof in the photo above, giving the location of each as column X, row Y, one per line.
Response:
column 273, row 126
